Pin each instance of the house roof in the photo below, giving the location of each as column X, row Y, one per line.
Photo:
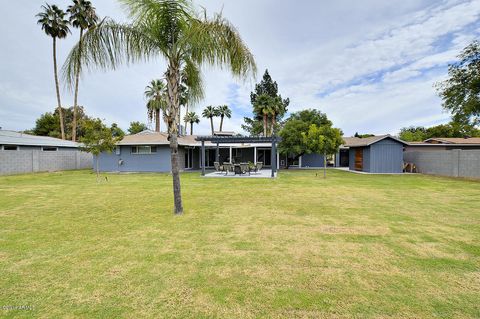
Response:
column 453, row 140
column 161, row 138
column 367, row 141
column 8, row 137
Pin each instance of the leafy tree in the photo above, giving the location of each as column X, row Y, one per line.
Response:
column 267, row 87
column 452, row 129
column 324, row 140
column 137, row 127
column 117, row 132
column 210, row 112
column 292, row 139
column 97, row 139
column 156, row 93
column 192, row 118
column 461, row 91
column 363, row 135
column 413, row 134
column 53, row 22
column 223, row 111
column 83, row 17
column 47, row 123
column 170, row 29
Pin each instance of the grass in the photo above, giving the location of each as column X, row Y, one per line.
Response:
column 350, row 246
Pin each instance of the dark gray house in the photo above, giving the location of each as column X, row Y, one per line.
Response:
column 376, row 154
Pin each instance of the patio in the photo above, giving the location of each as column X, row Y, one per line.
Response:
column 264, row 173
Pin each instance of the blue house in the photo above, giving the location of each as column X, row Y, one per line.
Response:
column 149, row 151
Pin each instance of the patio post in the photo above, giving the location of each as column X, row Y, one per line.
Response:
column 217, row 155
column 231, row 155
column 203, row 158
column 273, row 156
column 254, row 155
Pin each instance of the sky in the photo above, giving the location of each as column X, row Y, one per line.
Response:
column 369, row 65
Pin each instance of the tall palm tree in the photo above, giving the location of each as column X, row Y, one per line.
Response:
column 156, row 93
column 210, row 112
column 224, row 111
column 170, row 29
column 263, row 106
column 192, row 118
column 53, row 22
column 82, row 16
column 277, row 107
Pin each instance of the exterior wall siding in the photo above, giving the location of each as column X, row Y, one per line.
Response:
column 155, row 162
column 312, row 160
column 34, row 160
column 386, row 156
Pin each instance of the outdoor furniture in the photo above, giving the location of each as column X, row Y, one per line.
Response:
column 244, row 168
column 227, row 167
column 218, row 167
column 258, row 167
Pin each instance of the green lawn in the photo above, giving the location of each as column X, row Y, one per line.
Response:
column 350, row 246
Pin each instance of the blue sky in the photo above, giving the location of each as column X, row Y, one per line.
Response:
column 370, row 65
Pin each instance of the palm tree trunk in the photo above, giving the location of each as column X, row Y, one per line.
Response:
column 59, row 103
column 265, row 125
column 75, row 98
column 173, row 80
column 157, row 120
column 191, row 128
column 221, row 122
column 211, row 124
column 274, row 122
column 186, row 113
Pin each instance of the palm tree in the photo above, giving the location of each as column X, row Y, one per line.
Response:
column 170, row 29
column 53, row 23
column 82, row 16
column 156, row 93
column 277, row 107
column 263, row 106
column 191, row 117
column 224, row 111
column 210, row 112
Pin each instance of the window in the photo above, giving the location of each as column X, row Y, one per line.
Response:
column 49, row 149
column 117, row 150
column 144, row 149
column 10, row 147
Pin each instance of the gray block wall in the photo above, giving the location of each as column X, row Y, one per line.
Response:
column 31, row 161
column 454, row 163
column 312, row 160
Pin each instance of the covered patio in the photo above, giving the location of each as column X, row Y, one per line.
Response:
column 235, row 150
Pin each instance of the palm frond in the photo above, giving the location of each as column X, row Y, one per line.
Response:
column 107, row 46
column 216, row 42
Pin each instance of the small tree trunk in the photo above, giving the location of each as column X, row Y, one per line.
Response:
column 324, row 165
column 157, row 120
column 211, row 125
column 173, row 80
column 186, row 113
column 75, row 99
column 57, row 88
column 221, row 123
column 96, row 164
column 191, row 128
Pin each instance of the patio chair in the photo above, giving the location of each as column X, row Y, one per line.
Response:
column 227, row 167
column 258, row 167
column 244, row 168
column 219, row 168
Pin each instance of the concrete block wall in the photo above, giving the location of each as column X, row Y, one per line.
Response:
column 455, row 163
column 30, row 161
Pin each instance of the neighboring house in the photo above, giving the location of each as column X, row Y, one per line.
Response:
column 445, row 143
column 24, row 153
column 149, row 151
